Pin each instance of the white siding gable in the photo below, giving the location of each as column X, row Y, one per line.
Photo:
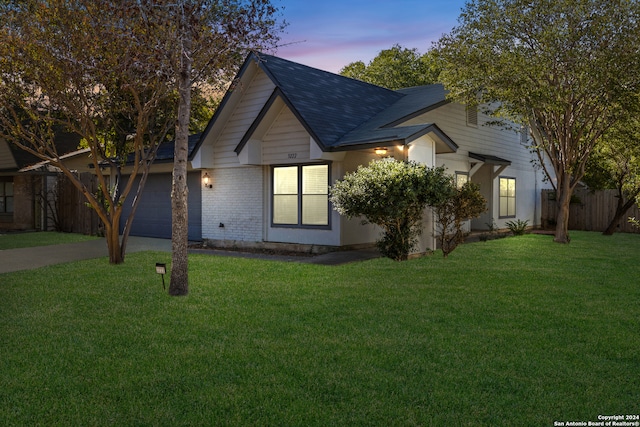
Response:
column 287, row 141
column 253, row 98
column 483, row 139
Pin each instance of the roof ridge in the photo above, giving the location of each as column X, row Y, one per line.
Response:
column 329, row 105
column 332, row 74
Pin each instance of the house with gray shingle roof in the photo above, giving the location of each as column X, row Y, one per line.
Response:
column 285, row 132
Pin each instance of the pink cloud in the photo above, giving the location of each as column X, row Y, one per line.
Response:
column 330, row 34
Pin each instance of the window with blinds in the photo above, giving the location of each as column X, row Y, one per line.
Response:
column 507, row 197
column 285, row 195
column 461, row 179
column 301, row 195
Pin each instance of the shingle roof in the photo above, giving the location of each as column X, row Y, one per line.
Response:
column 166, row 150
column 329, row 104
column 341, row 113
column 413, row 102
column 65, row 143
column 68, row 144
column 489, row 159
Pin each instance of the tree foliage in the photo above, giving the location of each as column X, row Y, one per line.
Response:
column 64, row 69
column 393, row 195
column 565, row 68
column 395, row 68
column 615, row 164
column 121, row 75
column 452, row 212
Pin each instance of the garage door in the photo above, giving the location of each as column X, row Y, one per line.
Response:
column 153, row 216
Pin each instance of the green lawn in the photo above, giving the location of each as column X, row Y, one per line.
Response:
column 518, row 331
column 40, row 238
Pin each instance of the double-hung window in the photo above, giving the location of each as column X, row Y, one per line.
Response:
column 301, row 196
column 507, row 197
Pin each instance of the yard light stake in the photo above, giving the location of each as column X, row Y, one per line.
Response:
column 162, row 270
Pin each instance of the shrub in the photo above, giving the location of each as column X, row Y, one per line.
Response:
column 393, row 195
column 518, row 227
column 492, row 226
column 461, row 205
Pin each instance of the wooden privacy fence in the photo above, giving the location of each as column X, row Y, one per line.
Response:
column 589, row 211
column 73, row 213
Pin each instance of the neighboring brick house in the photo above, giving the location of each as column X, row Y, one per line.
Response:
column 23, row 189
column 27, row 183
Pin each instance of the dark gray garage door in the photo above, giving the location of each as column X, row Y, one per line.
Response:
column 153, row 216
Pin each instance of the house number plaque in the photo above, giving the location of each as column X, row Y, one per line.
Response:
column 292, row 155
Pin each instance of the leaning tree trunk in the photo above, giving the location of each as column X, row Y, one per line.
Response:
column 563, row 199
column 179, row 284
column 621, row 210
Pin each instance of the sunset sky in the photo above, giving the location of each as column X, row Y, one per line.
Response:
column 329, row 34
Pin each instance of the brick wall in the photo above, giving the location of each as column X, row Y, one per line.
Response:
column 236, row 201
column 22, row 217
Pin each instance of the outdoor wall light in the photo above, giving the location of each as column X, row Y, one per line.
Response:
column 206, row 180
column 162, row 270
column 380, row 151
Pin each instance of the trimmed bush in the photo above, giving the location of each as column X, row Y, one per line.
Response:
column 393, row 195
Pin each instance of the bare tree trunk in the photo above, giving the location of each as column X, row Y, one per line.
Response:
column 113, row 243
column 179, row 284
column 563, row 200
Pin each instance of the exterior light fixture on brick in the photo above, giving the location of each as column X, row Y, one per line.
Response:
column 206, row 180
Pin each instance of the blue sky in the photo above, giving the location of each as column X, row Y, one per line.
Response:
column 329, row 34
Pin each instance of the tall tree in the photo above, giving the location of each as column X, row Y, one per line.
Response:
column 201, row 40
column 395, row 68
column 565, row 68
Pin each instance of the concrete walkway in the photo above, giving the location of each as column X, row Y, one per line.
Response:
column 329, row 258
column 41, row 256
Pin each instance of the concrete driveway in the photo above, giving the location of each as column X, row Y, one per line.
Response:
column 40, row 256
